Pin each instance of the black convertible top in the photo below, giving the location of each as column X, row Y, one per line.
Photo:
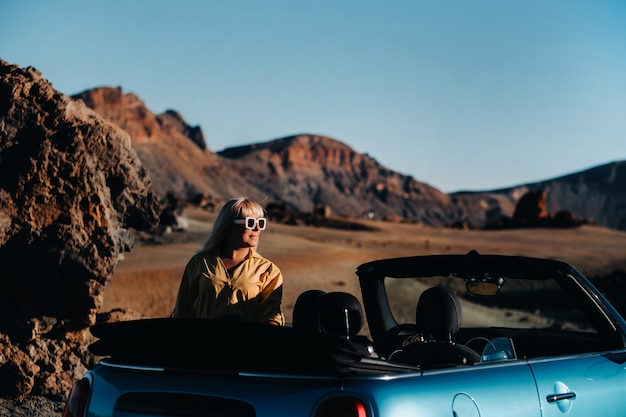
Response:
column 441, row 265
column 229, row 346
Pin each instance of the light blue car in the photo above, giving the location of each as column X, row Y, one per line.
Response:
column 446, row 335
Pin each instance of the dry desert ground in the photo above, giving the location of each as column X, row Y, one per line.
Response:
column 146, row 281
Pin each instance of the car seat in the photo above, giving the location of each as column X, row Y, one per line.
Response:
column 305, row 311
column 341, row 314
column 437, row 319
column 337, row 313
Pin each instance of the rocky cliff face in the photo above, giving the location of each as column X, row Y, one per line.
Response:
column 72, row 190
column 306, row 171
column 174, row 153
column 596, row 195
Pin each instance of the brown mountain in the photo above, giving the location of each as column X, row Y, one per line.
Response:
column 174, row 153
column 305, row 171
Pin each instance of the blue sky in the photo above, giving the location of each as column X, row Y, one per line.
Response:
column 462, row 95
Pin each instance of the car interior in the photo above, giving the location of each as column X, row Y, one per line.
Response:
column 437, row 337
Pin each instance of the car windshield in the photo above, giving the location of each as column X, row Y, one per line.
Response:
column 519, row 303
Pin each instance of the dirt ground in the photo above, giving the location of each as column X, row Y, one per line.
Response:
column 323, row 258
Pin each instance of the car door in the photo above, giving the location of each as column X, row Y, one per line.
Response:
column 496, row 389
column 582, row 386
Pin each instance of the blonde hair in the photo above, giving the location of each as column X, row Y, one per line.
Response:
column 234, row 208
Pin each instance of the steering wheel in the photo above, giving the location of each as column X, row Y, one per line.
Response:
column 479, row 341
column 393, row 339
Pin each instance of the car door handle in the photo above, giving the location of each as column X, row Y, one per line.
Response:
column 558, row 397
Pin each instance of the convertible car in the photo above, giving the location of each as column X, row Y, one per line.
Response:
column 464, row 335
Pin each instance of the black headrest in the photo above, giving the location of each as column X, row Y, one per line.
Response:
column 438, row 312
column 305, row 311
column 340, row 313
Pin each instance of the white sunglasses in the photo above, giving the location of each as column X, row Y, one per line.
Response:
column 252, row 222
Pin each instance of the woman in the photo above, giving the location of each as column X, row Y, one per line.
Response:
column 228, row 278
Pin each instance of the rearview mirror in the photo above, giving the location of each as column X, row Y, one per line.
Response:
column 484, row 286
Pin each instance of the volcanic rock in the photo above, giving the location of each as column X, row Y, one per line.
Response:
column 72, row 192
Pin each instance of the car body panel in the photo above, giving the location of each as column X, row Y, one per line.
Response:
column 449, row 391
column 597, row 382
column 294, row 394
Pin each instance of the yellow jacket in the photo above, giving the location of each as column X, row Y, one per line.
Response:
column 250, row 291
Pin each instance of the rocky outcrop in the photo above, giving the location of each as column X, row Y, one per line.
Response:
column 531, row 211
column 531, row 208
column 595, row 195
column 72, row 193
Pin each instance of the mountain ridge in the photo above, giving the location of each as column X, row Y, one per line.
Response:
column 596, row 193
column 305, row 171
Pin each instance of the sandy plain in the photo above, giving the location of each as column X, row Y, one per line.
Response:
column 147, row 280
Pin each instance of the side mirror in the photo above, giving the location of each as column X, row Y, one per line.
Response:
column 498, row 349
